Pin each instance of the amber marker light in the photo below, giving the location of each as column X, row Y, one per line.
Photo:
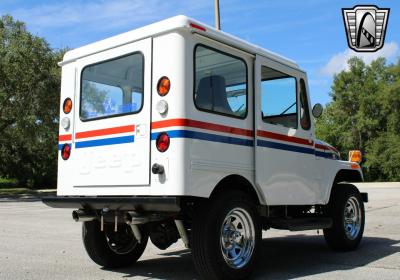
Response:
column 354, row 166
column 67, row 105
column 163, row 86
column 355, row 156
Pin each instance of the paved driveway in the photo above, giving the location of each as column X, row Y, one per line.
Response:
column 37, row 242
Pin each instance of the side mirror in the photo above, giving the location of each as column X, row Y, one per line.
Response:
column 317, row 110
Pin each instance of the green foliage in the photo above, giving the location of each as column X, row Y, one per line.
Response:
column 29, row 102
column 93, row 96
column 365, row 115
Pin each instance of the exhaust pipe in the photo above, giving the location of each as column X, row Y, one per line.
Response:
column 82, row 216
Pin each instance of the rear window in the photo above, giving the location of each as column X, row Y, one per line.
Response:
column 112, row 88
column 220, row 82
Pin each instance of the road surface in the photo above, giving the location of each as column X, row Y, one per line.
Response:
column 37, row 242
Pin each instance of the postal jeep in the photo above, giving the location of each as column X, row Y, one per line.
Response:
column 179, row 131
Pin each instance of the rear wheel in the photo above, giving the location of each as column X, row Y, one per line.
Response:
column 112, row 249
column 346, row 207
column 226, row 236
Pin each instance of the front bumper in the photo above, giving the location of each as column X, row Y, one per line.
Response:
column 116, row 203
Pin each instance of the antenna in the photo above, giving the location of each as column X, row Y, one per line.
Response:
column 217, row 18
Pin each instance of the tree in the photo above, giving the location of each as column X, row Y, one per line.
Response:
column 29, row 105
column 365, row 115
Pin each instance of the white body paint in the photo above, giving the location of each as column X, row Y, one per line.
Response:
column 193, row 166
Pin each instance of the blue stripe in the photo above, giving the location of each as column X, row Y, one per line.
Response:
column 205, row 136
column 285, row 147
column 239, row 141
column 105, row 142
column 326, row 155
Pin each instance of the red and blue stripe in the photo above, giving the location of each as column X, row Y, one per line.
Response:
column 89, row 135
column 202, row 135
column 186, row 128
column 265, row 138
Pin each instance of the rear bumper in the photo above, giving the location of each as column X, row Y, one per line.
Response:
column 135, row 203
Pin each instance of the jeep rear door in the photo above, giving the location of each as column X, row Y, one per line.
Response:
column 111, row 142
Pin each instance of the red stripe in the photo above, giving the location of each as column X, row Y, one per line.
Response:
column 105, row 131
column 202, row 125
column 281, row 137
column 333, row 149
column 65, row 137
column 325, row 147
column 322, row 147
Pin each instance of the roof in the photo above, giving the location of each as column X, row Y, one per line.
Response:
column 165, row 26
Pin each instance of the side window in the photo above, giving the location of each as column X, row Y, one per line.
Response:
column 220, row 82
column 112, row 88
column 278, row 98
column 304, row 111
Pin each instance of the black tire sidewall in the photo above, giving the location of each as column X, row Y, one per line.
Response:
column 336, row 236
column 211, row 220
column 96, row 246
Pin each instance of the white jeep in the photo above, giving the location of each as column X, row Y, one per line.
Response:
column 177, row 130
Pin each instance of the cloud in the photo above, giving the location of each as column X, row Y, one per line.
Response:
column 338, row 62
column 100, row 15
column 75, row 23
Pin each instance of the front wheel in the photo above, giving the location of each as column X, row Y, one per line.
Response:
column 346, row 208
column 112, row 249
column 226, row 236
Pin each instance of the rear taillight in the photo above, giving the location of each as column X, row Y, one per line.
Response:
column 67, row 105
column 162, row 142
column 65, row 151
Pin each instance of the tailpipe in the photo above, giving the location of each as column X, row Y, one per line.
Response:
column 82, row 216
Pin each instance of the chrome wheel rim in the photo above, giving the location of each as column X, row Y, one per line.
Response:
column 352, row 218
column 237, row 238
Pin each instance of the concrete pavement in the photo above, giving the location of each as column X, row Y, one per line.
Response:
column 37, row 242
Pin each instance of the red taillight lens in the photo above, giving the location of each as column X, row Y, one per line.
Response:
column 193, row 25
column 162, row 142
column 163, row 86
column 65, row 151
column 67, row 105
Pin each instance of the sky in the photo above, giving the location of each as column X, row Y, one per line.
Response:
column 310, row 32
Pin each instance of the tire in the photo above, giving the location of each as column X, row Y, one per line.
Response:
column 110, row 249
column 212, row 236
column 345, row 200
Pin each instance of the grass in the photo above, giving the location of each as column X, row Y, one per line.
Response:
column 9, row 187
column 23, row 191
column 8, row 183
column 16, row 191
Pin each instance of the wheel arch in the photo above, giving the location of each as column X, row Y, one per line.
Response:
column 236, row 182
column 345, row 176
column 349, row 176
